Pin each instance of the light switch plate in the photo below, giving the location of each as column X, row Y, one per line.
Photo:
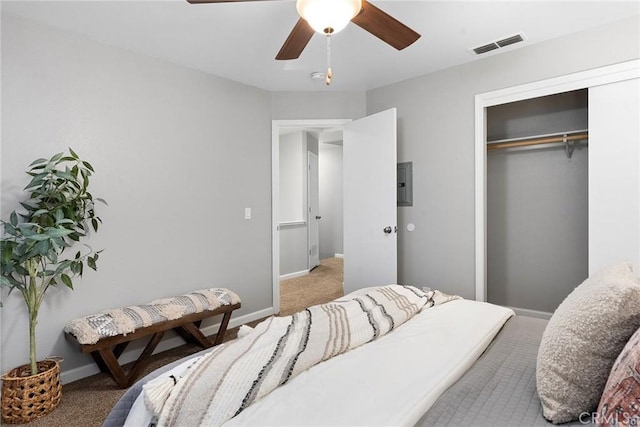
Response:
column 247, row 213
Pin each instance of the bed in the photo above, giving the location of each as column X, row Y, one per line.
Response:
column 458, row 363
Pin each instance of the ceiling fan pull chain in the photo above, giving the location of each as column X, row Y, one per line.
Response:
column 329, row 72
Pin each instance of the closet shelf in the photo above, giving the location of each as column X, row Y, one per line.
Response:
column 545, row 139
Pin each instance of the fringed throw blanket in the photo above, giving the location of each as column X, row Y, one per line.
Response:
column 224, row 382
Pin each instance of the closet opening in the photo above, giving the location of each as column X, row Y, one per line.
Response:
column 537, row 200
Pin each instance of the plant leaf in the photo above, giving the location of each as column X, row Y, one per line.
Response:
column 58, row 232
column 66, row 280
column 66, row 175
column 88, row 166
column 91, row 262
column 73, row 153
column 38, row 161
column 37, row 180
column 13, row 219
column 56, row 157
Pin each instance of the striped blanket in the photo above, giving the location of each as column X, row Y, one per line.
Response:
column 223, row 383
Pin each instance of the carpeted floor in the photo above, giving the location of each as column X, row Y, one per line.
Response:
column 86, row 403
column 323, row 284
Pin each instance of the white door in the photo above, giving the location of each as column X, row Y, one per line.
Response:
column 614, row 174
column 369, row 188
column 313, row 210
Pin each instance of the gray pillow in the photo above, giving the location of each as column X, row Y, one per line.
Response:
column 582, row 341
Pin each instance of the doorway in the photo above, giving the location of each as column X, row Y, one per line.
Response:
column 537, row 201
column 297, row 222
column 369, row 199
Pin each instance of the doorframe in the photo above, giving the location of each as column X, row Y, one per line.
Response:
column 574, row 81
column 309, row 198
column 276, row 127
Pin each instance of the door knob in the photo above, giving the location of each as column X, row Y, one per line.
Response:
column 318, row 217
column 387, row 230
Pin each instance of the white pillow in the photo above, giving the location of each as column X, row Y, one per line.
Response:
column 582, row 341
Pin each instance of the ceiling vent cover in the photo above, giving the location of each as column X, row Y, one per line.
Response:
column 486, row 48
column 498, row 44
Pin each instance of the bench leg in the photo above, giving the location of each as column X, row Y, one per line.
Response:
column 191, row 332
column 113, row 367
column 107, row 358
column 223, row 328
column 144, row 357
column 120, row 348
column 100, row 361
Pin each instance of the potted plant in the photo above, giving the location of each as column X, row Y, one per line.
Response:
column 35, row 255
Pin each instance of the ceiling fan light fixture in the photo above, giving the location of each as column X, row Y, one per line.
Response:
column 328, row 16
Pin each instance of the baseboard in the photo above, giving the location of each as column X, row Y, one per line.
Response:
column 339, row 255
column 294, row 275
column 84, row 371
column 532, row 313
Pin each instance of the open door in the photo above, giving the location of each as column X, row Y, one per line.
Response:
column 370, row 212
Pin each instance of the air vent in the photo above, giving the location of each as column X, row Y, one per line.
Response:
column 486, row 48
column 510, row 40
column 498, row 44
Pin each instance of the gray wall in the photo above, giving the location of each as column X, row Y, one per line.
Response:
column 174, row 158
column 436, row 132
column 331, row 224
column 537, row 204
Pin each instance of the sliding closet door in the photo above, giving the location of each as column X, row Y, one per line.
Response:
column 614, row 177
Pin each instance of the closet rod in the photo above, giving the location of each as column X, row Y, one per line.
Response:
column 538, row 141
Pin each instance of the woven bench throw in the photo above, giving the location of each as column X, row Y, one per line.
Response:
column 122, row 321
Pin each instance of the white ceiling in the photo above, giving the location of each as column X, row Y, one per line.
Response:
column 240, row 40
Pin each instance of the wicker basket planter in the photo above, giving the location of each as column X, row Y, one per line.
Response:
column 26, row 397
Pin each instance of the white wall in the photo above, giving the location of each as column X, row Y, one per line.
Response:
column 318, row 105
column 293, row 202
column 178, row 155
column 293, row 150
column 436, row 132
column 294, row 216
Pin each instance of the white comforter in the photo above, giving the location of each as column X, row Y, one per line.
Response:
column 391, row 381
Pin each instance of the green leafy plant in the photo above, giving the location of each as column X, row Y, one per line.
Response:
column 59, row 213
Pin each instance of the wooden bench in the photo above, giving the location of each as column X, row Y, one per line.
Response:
column 107, row 350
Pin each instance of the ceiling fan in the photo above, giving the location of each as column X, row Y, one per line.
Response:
column 330, row 16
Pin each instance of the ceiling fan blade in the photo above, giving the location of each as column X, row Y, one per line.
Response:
column 384, row 26
column 297, row 41
column 222, row 1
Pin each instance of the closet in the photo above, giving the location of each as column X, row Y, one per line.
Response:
column 535, row 270
column 537, row 200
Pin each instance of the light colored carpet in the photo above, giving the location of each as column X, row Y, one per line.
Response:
column 87, row 402
column 322, row 284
